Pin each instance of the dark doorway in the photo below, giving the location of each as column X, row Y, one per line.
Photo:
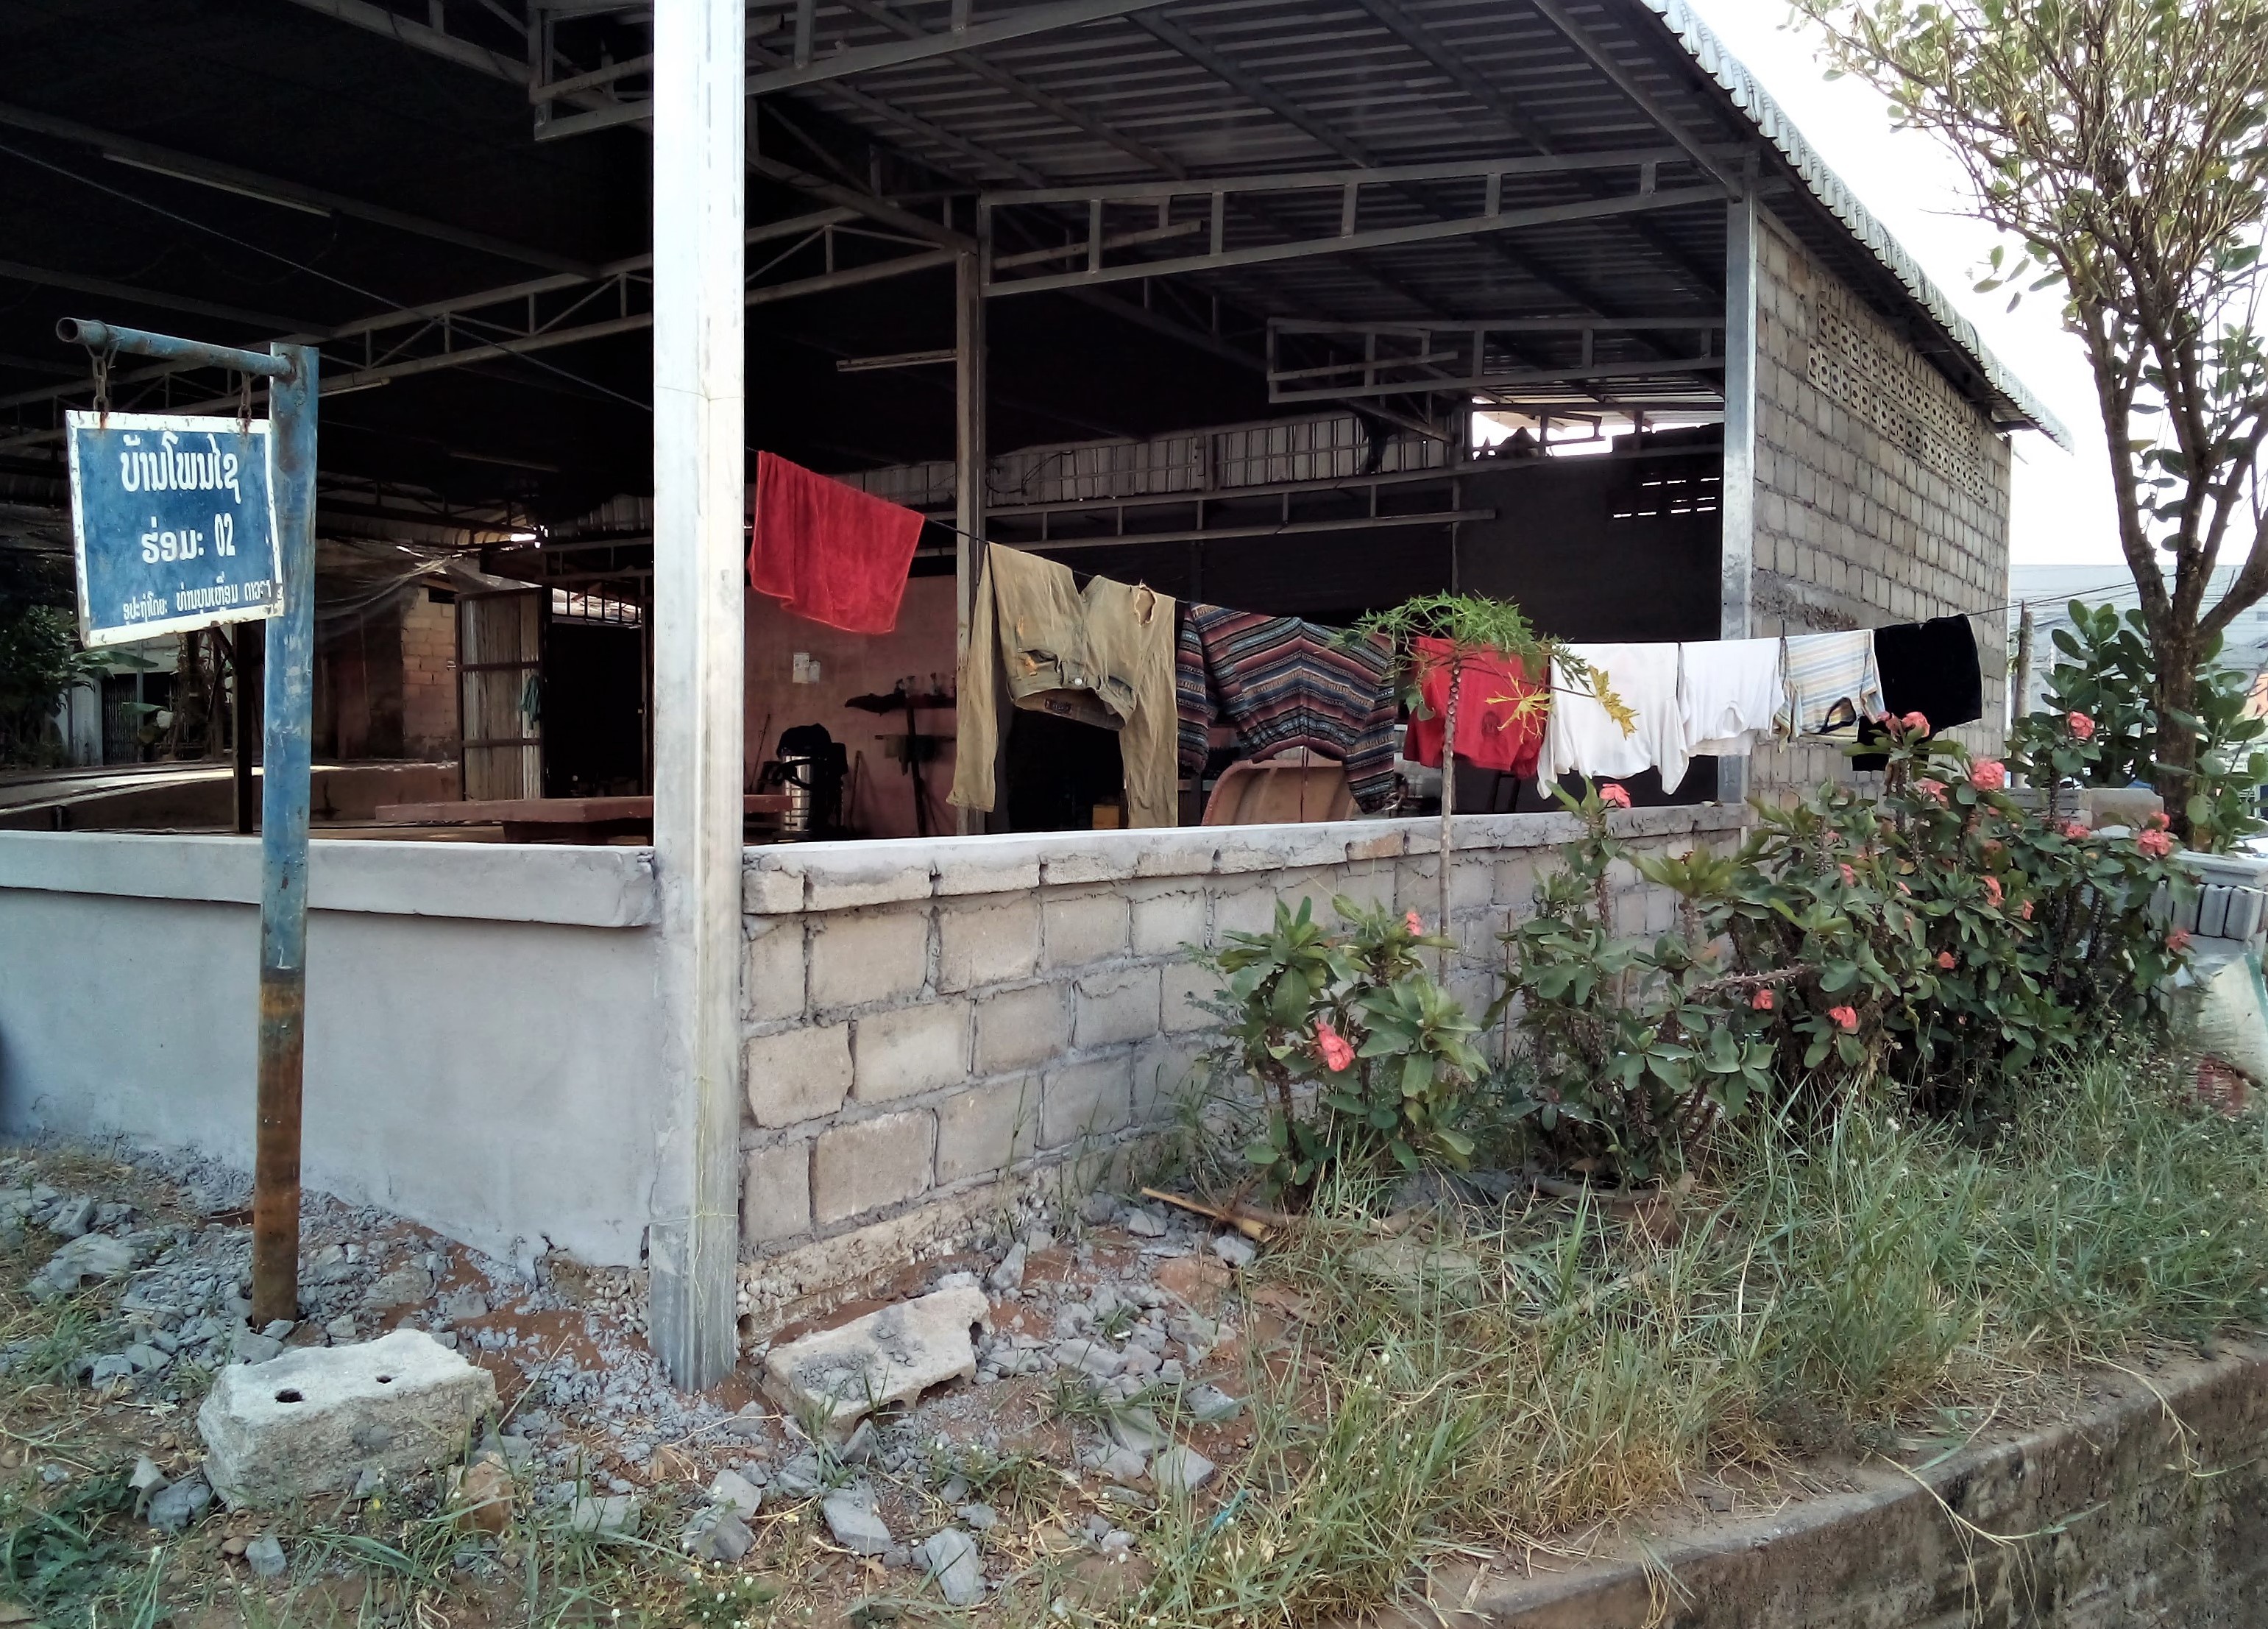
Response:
column 594, row 709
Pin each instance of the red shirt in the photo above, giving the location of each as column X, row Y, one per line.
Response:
column 1493, row 733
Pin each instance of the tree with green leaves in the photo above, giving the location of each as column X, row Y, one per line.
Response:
column 2120, row 144
column 38, row 661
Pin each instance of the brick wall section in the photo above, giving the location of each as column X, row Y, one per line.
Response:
column 924, row 1018
column 1883, row 496
column 2146, row 1505
column 429, row 678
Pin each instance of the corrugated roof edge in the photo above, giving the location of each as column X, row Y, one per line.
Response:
column 1733, row 78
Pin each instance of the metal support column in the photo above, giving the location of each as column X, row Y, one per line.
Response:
column 1736, row 556
column 244, row 719
column 700, row 361
column 968, row 459
column 285, row 754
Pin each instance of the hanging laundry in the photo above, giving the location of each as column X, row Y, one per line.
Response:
column 830, row 552
column 1729, row 691
column 1101, row 655
column 1832, row 682
column 1931, row 668
column 1583, row 739
column 1500, row 711
column 1285, row 682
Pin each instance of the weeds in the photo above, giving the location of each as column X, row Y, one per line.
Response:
column 1587, row 1364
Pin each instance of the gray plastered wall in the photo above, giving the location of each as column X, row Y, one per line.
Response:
column 1883, row 494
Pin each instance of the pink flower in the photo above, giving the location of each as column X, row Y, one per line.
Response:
column 1944, row 960
column 2074, row 829
column 2178, row 941
column 1614, row 796
column 1417, row 928
column 1933, row 789
column 2157, row 821
column 1988, row 774
column 1332, row 1048
column 2025, row 911
column 1762, row 1000
column 1993, row 845
column 2082, row 727
column 1845, row 1019
column 1850, row 877
column 2156, row 844
column 1903, row 888
column 1992, row 890
column 1916, row 722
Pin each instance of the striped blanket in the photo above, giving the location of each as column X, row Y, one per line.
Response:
column 1282, row 682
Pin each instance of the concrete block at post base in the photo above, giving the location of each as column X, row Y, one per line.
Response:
column 798, row 1075
column 772, row 975
column 314, row 1420
column 834, row 1377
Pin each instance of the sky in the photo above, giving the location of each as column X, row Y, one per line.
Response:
column 2062, row 505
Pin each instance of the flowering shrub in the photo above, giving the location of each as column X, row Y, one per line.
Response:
column 1934, row 942
column 1353, row 1017
column 2101, row 729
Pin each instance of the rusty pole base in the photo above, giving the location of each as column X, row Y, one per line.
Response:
column 275, row 1168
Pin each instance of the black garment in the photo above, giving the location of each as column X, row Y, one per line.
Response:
column 1930, row 668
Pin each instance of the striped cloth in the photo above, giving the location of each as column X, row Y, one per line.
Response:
column 1282, row 682
column 1832, row 682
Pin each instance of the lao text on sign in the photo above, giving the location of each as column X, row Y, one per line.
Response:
column 172, row 524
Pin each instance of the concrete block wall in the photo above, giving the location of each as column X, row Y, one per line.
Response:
column 924, row 1019
column 1882, row 495
column 429, row 678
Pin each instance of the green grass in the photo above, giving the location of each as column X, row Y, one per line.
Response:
column 1816, row 1297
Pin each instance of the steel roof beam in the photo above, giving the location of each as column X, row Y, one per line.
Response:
column 379, row 20
column 1397, row 21
column 16, row 271
column 189, row 165
column 1510, row 379
column 1640, row 98
column 1387, row 236
column 1325, row 180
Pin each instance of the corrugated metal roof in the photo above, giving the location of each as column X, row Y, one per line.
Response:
column 1771, row 121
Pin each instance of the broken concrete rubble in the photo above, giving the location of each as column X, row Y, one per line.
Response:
column 850, row 1518
column 1180, row 1471
column 316, row 1420
column 892, row 1356
column 92, row 1257
column 950, row 1557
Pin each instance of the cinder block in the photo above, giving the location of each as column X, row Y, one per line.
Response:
column 870, row 1163
column 1250, row 909
column 1164, row 922
column 1089, row 1099
column 1115, row 1007
column 876, row 956
column 912, row 1049
column 1163, row 1070
column 775, row 1192
column 1016, row 1028
column 988, row 1128
column 769, row 886
column 1185, row 984
column 772, row 982
column 798, row 1075
column 991, row 943
column 1082, row 928
column 843, row 878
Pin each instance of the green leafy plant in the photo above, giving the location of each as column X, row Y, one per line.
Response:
column 38, row 661
column 1351, row 1022
column 1633, row 1047
column 1472, row 628
column 2100, row 726
column 1932, row 943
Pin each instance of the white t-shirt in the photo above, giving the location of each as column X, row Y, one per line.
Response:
column 1727, row 690
column 1581, row 739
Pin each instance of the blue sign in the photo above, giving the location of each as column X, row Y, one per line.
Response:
column 171, row 523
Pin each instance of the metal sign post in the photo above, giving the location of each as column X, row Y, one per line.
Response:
column 165, row 540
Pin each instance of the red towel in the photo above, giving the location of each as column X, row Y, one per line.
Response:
column 832, row 553
column 1493, row 733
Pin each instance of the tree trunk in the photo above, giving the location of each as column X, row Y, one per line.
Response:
column 2177, row 751
column 1448, row 798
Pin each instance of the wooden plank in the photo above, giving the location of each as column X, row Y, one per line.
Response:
column 551, row 811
